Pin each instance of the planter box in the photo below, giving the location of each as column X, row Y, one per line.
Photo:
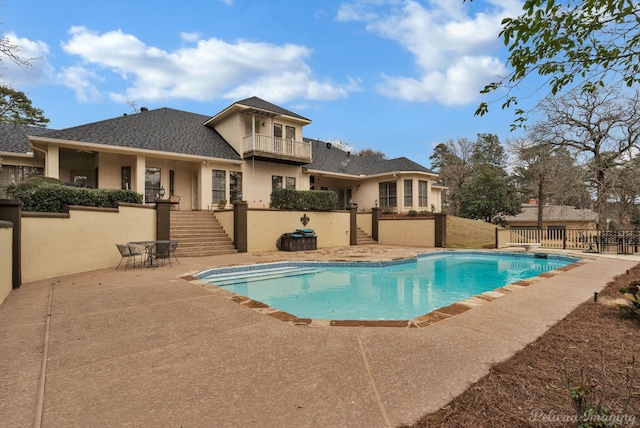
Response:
column 291, row 243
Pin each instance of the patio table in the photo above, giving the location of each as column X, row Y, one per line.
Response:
column 148, row 247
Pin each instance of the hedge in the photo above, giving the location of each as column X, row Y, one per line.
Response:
column 303, row 200
column 42, row 194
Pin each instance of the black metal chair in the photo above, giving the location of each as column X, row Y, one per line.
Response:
column 162, row 252
column 127, row 254
column 172, row 250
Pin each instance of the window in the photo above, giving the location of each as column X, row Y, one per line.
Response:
column 219, row 186
column 11, row 174
column 151, row 184
column 291, row 183
column 408, row 193
column 172, row 182
column 276, row 182
column 422, row 193
column 125, row 178
column 388, row 195
column 235, row 186
column 248, row 128
column 277, row 130
column 290, row 133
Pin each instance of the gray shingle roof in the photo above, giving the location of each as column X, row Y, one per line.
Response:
column 164, row 129
column 261, row 104
column 15, row 138
column 338, row 161
column 553, row 213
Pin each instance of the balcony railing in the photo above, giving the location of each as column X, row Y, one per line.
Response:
column 277, row 148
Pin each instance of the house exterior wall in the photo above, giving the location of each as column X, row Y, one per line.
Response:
column 257, row 182
column 232, row 130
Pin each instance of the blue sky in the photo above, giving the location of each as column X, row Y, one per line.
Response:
column 390, row 75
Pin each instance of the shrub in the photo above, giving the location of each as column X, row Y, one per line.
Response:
column 302, row 200
column 43, row 194
column 630, row 308
column 412, row 213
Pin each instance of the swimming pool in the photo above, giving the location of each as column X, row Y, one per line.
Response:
column 389, row 290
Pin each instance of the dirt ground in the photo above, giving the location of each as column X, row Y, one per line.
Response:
column 591, row 352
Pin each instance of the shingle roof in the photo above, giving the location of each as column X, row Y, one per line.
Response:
column 164, row 129
column 329, row 158
column 15, row 138
column 261, row 104
column 553, row 213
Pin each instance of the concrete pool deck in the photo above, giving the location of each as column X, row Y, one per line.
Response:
column 146, row 347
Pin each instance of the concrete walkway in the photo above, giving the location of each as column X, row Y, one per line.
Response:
column 147, row 348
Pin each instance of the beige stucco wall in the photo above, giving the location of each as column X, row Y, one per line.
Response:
column 364, row 221
column 6, row 260
column 225, row 218
column 264, row 227
column 419, row 232
column 84, row 241
column 502, row 237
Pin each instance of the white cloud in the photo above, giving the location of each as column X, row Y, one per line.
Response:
column 210, row 69
column 39, row 69
column 453, row 46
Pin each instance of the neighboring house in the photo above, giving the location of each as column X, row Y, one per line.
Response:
column 241, row 153
column 554, row 217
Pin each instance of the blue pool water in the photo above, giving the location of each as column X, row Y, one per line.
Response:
column 397, row 290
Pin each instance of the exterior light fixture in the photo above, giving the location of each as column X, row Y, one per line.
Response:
column 161, row 193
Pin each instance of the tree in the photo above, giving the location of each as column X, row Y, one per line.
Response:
column 624, row 189
column 452, row 161
column 548, row 173
column 16, row 108
column 490, row 194
column 582, row 43
column 370, row 152
column 603, row 125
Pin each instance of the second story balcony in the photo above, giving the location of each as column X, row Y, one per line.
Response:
column 274, row 149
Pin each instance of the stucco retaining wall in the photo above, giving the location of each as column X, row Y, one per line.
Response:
column 412, row 232
column 6, row 260
column 264, row 227
column 83, row 240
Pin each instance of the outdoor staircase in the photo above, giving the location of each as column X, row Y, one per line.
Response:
column 199, row 234
column 363, row 239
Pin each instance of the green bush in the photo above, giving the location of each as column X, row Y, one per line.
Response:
column 302, row 200
column 43, row 194
column 412, row 213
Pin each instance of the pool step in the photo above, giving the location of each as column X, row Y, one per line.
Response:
column 229, row 278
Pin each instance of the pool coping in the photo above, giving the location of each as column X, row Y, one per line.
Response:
column 420, row 321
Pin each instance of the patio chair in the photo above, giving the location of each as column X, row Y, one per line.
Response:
column 172, row 250
column 175, row 200
column 162, row 252
column 128, row 255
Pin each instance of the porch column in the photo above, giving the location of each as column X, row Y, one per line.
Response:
column 52, row 162
column 141, row 166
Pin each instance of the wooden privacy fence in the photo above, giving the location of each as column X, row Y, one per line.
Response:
column 623, row 241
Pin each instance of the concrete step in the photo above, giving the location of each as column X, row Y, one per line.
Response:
column 199, row 234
